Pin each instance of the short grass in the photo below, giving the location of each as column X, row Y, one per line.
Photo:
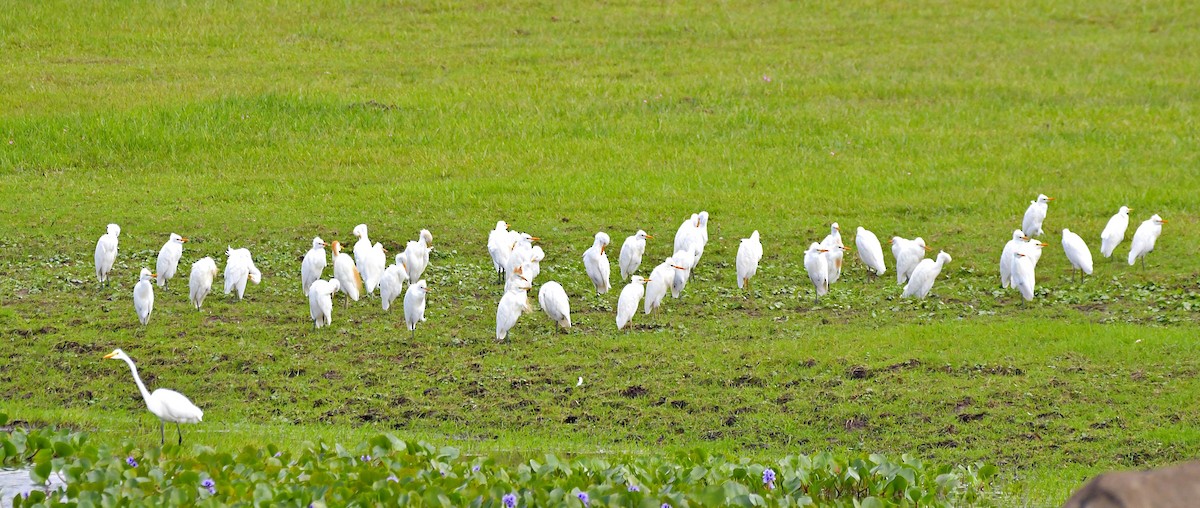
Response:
column 265, row 125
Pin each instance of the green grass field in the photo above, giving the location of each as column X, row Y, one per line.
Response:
column 263, row 126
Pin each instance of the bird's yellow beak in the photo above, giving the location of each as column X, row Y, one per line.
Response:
column 928, row 249
column 1049, row 199
column 677, row 267
column 184, row 239
column 649, row 236
column 839, row 230
column 1043, row 244
column 822, row 250
column 1162, row 221
column 697, row 222
column 110, row 356
column 890, row 242
column 534, row 239
column 602, row 247
column 523, row 278
column 1024, row 237
column 385, row 250
column 153, row 275
column 647, row 281
column 845, row 248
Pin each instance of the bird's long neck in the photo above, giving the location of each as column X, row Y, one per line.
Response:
column 138, row 379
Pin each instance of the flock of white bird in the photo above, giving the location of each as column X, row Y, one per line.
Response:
column 516, row 261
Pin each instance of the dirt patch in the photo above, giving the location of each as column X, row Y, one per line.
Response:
column 858, row 372
column 634, row 392
column 856, row 423
column 907, row 364
column 745, row 380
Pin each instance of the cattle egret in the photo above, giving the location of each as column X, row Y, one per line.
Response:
column 414, row 305
column 685, row 261
column 313, row 266
column 167, row 405
column 833, row 243
column 750, row 252
column 870, row 252
column 391, row 286
column 106, row 252
column 370, row 259
column 1034, row 215
column 416, row 255
column 595, row 261
column 239, row 267
column 143, row 296
column 201, row 280
column 554, row 302
column 661, row 279
column 520, row 251
column 498, row 247
column 168, row 259
column 1006, row 257
column 1143, row 239
column 320, row 301
column 817, row 265
column 533, row 267
column 631, row 253
column 346, row 273
column 1114, row 231
column 631, row 296
column 907, row 253
column 1023, row 277
column 923, row 276
column 1077, row 253
column 514, row 303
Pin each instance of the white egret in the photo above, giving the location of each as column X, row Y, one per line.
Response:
column 414, row 305
column 167, row 405
column 514, row 303
column 391, row 286
column 533, row 267
column 661, row 279
column 106, row 252
column 1077, row 253
column 239, row 267
column 1031, row 225
column 750, row 252
column 320, row 301
column 817, row 265
column 631, row 253
column 702, row 229
column 554, row 302
column 923, row 276
column 201, row 280
column 168, row 259
column 1144, row 238
column 1114, row 231
column 1033, row 249
column 346, row 273
column 520, row 251
column 870, row 251
column 685, row 261
column 907, row 254
column 313, row 266
column 498, row 248
column 595, row 262
column 631, row 296
column 416, row 255
column 143, row 296
column 833, row 243
column 1023, row 274
column 1006, row 257
column 688, row 236
column 370, row 259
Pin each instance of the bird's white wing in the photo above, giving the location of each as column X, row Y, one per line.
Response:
column 175, row 407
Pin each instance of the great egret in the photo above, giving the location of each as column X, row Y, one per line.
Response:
column 923, row 276
column 661, row 279
column 685, row 261
column 1023, row 276
column 414, row 305
column 106, row 252
column 201, row 280
column 416, row 255
column 391, row 286
column 1077, row 253
column 239, row 267
column 370, row 259
column 907, row 254
column 631, row 253
column 346, row 273
column 514, row 303
column 313, row 266
column 817, row 265
column 554, row 302
column 320, row 301
column 1031, row 225
column 631, row 296
column 143, row 296
column 595, row 262
column 167, row 405
column 168, row 259
column 750, row 252
column 833, row 243
column 870, row 251
column 1114, row 231
column 1144, row 238
column 1007, row 258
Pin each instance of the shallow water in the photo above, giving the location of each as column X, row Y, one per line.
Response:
column 17, row 481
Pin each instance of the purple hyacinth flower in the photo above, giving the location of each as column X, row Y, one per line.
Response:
column 392, row 478
column 210, row 485
column 634, row 488
column 131, row 462
column 277, row 454
column 475, row 469
column 509, row 500
column 769, row 478
column 583, row 498
column 666, row 505
column 365, row 458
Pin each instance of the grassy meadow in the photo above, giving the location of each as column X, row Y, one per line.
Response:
column 264, row 125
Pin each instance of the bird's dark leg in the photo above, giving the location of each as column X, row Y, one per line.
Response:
column 180, row 431
column 162, row 433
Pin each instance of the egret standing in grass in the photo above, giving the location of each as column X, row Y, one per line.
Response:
column 660, row 281
column 1114, row 231
column 1144, row 238
column 1077, row 253
column 631, row 296
column 685, row 262
column 201, row 280
column 749, row 253
column 595, row 262
column 391, row 286
column 167, row 405
column 907, row 253
column 320, row 301
column 817, row 265
column 346, row 273
column 833, row 243
column 514, row 303
column 106, row 252
column 870, row 251
column 1031, row 225
column 168, row 259
column 370, row 259
column 414, row 305
column 553, row 299
column 239, row 267
column 1007, row 258
column 416, row 255
column 1023, row 274
column 313, row 266
column 924, row 275
column 631, row 253
column 143, row 296
column 498, row 247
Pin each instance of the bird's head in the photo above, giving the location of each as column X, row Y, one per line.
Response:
column 117, row 354
column 1158, row 220
column 637, row 279
column 318, row 243
column 835, row 228
column 702, row 219
column 427, row 237
column 146, row 274
column 114, row 230
column 360, row 230
column 337, row 247
column 1124, row 210
column 642, row 235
